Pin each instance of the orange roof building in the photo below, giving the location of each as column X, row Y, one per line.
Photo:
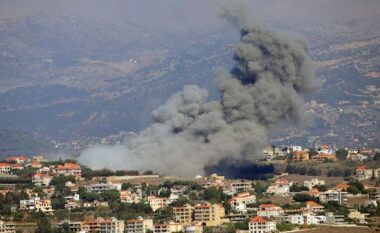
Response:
column 322, row 157
column 260, row 224
column 300, row 156
column 342, row 186
column 68, row 169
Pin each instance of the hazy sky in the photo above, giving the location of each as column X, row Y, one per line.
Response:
column 194, row 14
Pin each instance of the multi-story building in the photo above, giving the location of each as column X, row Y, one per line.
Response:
column 314, row 207
column 170, row 227
column 242, row 185
column 260, row 224
column 300, row 156
column 363, row 172
column 139, row 225
column 44, row 206
column 40, row 179
column 323, row 157
column 72, row 225
column 37, row 204
column 16, row 159
column 5, row 168
column 129, row 197
column 69, row 169
column 99, row 188
column 39, row 158
column 306, row 219
column 156, row 202
column 333, row 195
column 7, row 227
column 240, row 200
column 101, row 225
column 281, row 187
column 209, row 214
column 183, row 214
column 270, row 210
column 112, row 225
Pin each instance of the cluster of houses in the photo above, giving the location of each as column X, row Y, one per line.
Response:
column 190, row 218
column 321, row 154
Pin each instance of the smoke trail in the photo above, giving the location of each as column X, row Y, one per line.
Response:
column 265, row 88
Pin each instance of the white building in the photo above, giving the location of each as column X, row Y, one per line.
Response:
column 156, row 202
column 270, row 210
column 281, row 187
column 40, row 179
column 313, row 182
column 260, row 224
column 129, row 197
column 306, row 219
column 333, row 195
column 240, row 201
column 5, row 168
column 37, row 204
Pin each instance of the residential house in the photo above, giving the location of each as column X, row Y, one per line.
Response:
column 156, row 202
column 360, row 217
column 321, row 157
column 40, row 179
column 95, row 204
column 313, row 182
column 5, row 168
column 314, row 207
column 101, row 225
column 44, row 206
column 129, row 197
column 300, row 156
column 16, row 159
column 17, row 166
column 69, row 169
column 281, row 187
column 342, row 187
column 260, row 224
column 270, row 210
column 39, row 159
column 240, row 200
column 35, row 165
column 363, row 172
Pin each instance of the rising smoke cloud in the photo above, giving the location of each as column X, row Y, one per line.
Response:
column 264, row 89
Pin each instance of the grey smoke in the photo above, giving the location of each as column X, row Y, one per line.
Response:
column 265, row 88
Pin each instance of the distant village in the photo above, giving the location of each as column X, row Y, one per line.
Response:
column 310, row 188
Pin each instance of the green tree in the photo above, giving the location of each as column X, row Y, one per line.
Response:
column 341, row 154
column 43, row 223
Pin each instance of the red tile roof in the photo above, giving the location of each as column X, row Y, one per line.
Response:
column 258, row 219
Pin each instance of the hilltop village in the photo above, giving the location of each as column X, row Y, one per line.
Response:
column 308, row 189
